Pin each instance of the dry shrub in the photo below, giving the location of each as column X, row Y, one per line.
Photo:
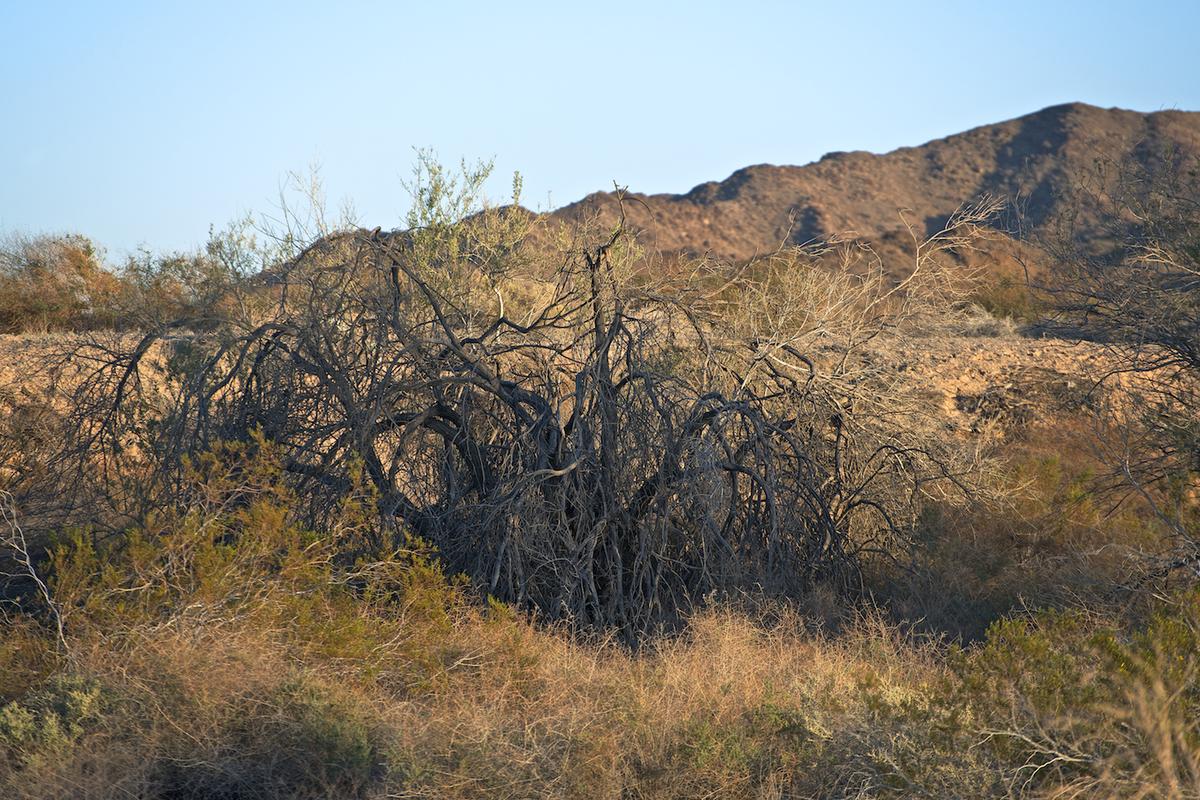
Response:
column 1008, row 296
column 217, row 649
column 1041, row 532
column 184, row 714
column 55, row 283
column 221, row 646
column 736, row 707
column 610, row 457
column 1073, row 704
column 979, row 321
column 1125, row 276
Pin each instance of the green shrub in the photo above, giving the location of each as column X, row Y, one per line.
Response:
column 48, row 721
column 1068, row 699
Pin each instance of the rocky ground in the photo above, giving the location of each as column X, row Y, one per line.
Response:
column 1009, row 378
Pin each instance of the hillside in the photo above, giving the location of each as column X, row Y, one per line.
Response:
column 1032, row 157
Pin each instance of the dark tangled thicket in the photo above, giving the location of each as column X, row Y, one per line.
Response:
column 574, row 436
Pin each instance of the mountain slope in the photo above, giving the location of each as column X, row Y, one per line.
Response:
column 760, row 207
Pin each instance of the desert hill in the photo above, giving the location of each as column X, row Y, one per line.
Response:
column 1028, row 159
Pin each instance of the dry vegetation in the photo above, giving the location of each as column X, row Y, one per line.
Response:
column 449, row 514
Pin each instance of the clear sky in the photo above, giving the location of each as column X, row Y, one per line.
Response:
column 142, row 123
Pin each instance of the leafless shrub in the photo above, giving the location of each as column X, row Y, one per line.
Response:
column 611, row 451
column 978, row 322
column 1130, row 279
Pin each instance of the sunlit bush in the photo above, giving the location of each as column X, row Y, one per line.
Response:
column 50, row 283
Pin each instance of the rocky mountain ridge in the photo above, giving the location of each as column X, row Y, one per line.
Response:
column 887, row 198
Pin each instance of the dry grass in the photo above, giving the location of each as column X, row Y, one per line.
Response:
column 727, row 710
column 743, row 706
column 225, row 652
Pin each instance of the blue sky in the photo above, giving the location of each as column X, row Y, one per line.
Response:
column 144, row 123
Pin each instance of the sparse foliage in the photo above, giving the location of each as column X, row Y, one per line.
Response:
column 610, row 452
column 54, row 283
column 1131, row 280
